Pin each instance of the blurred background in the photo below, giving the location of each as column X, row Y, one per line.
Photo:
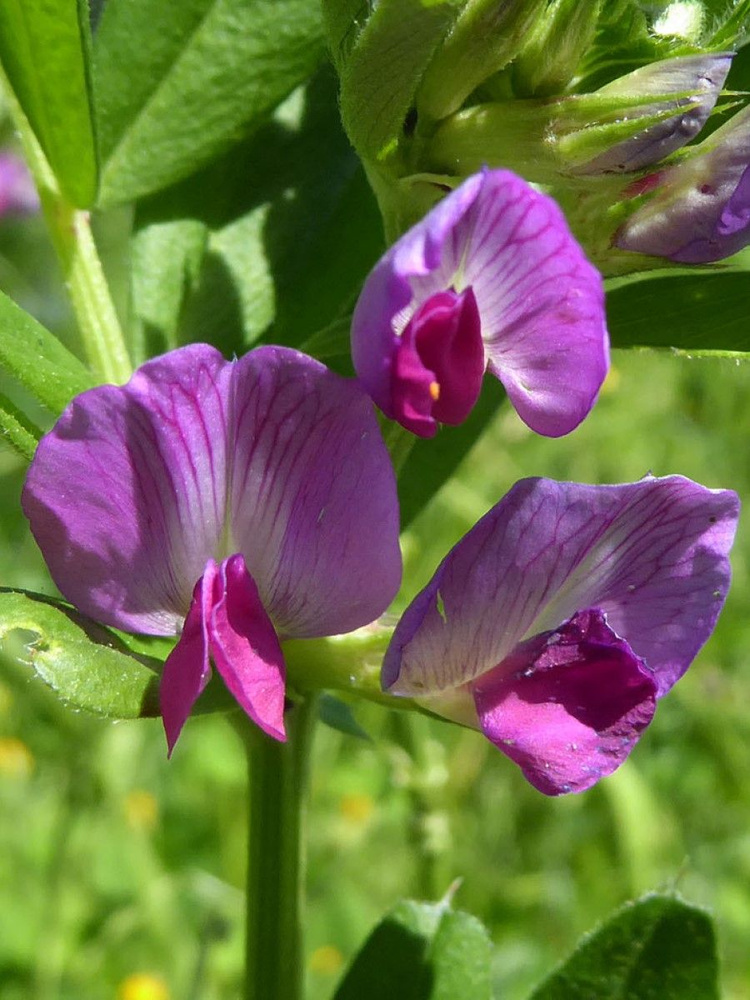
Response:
column 121, row 874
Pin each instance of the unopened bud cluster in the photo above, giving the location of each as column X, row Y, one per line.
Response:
column 599, row 103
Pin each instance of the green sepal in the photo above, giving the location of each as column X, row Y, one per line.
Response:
column 486, row 36
column 543, row 140
column 422, row 951
column 554, row 47
column 36, row 360
column 382, row 70
column 44, row 52
column 656, row 949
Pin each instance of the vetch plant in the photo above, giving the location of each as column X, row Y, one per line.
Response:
column 272, row 373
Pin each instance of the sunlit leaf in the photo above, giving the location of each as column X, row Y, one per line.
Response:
column 178, row 82
column 17, row 430
column 656, row 949
column 422, row 951
column 37, row 360
column 43, row 49
column 271, row 240
column 84, row 663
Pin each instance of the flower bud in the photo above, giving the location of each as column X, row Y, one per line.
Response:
column 624, row 126
column 698, row 211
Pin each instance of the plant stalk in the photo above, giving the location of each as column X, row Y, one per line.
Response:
column 276, row 856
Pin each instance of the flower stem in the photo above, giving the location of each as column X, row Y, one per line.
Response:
column 70, row 230
column 275, row 869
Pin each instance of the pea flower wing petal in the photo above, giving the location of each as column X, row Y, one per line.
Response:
column 126, row 494
column 652, row 555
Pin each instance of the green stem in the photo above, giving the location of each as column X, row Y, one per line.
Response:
column 89, row 293
column 275, row 869
column 70, row 230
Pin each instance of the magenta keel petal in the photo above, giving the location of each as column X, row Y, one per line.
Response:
column 187, row 670
column 438, row 364
column 245, row 648
column 567, row 706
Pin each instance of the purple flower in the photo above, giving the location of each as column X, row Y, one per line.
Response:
column 490, row 278
column 699, row 210
column 17, row 192
column 232, row 503
column 557, row 622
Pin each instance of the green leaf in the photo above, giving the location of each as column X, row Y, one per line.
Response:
column 43, row 51
column 87, row 665
column 692, row 313
column 422, row 951
column 656, row 949
column 178, row 82
column 431, row 462
column 37, row 360
column 270, row 240
column 17, row 430
column 338, row 715
column 383, row 69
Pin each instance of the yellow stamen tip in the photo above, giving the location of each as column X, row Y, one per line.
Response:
column 435, row 391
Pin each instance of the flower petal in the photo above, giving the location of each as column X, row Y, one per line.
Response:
column 652, row 555
column 245, row 648
column 313, row 495
column 438, row 365
column 126, row 493
column 387, row 300
column 700, row 76
column 187, row 670
column 700, row 208
column 567, row 706
column 540, row 302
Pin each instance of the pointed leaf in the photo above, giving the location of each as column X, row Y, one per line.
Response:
column 692, row 313
column 37, row 360
column 43, row 52
column 656, row 949
column 87, row 665
column 339, row 716
column 177, row 82
column 422, row 951
column 16, row 430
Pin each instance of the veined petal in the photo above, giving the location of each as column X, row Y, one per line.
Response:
column 126, row 494
column 567, row 706
column 245, row 648
column 313, row 497
column 652, row 555
column 187, row 669
column 541, row 304
column 700, row 209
